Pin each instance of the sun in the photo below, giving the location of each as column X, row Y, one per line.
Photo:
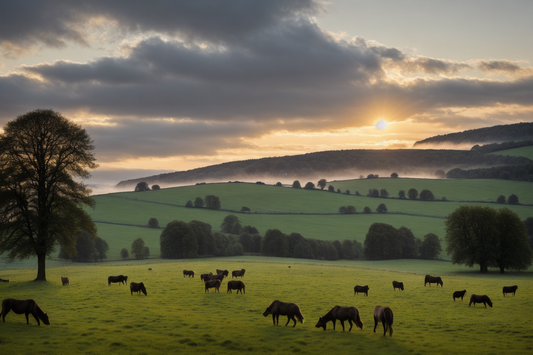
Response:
column 381, row 124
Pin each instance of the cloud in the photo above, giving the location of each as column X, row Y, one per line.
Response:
column 55, row 23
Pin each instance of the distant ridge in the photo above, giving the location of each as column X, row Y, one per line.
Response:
column 330, row 164
column 495, row 134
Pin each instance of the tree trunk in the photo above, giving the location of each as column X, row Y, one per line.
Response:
column 41, row 270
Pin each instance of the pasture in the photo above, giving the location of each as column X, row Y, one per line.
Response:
column 517, row 152
column 177, row 316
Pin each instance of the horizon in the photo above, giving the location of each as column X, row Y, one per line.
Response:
column 192, row 86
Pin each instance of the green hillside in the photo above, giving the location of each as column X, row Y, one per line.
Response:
column 518, row 152
column 312, row 213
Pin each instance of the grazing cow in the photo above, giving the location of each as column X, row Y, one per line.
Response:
column 433, row 280
column 509, row 289
column 351, row 314
column 397, row 285
column 291, row 310
column 212, row 284
column 458, row 294
column 137, row 287
column 480, row 299
column 222, row 272
column 26, row 307
column 206, row 277
column 236, row 285
column 65, row 281
column 386, row 317
column 237, row 273
column 188, row 273
column 358, row 289
column 2, row 280
column 120, row 279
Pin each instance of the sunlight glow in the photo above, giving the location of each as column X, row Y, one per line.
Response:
column 381, row 124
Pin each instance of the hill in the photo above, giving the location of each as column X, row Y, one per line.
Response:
column 495, row 134
column 331, row 164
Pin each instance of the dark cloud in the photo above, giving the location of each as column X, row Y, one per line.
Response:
column 54, row 23
column 498, row 66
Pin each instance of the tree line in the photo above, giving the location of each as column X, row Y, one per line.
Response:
column 521, row 172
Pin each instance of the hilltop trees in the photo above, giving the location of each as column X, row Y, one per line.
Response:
column 142, row 186
column 487, row 237
column 309, row 186
column 296, row 184
column 212, row 202
column 412, row 194
column 322, row 184
column 383, row 241
column 426, row 195
column 41, row 154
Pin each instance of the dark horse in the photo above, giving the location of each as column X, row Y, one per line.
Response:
column 2, row 280
column 212, row 284
column 188, row 273
column 65, row 281
column 397, row 285
column 138, row 287
column 386, row 317
column 358, row 289
column 351, row 314
column 236, row 285
column 26, row 307
column 291, row 310
column 120, row 279
column 459, row 294
column 222, row 272
column 433, row 280
column 237, row 273
column 480, row 299
column 509, row 289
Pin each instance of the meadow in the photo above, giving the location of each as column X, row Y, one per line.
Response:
column 312, row 213
column 517, row 152
column 90, row 317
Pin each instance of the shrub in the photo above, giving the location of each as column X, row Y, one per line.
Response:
column 296, row 184
column 394, row 175
column 367, row 210
column 384, row 193
column 189, row 204
column 124, row 254
column 245, row 209
column 500, row 199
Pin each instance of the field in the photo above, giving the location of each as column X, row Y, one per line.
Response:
column 312, row 213
column 518, row 152
column 90, row 317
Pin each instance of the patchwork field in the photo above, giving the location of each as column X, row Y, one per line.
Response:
column 517, row 152
column 90, row 317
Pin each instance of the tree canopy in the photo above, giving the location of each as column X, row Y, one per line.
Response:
column 430, row 247
column 231, row 224
column 322, row 184
column 177, row 241
column 142, row 186
column 41, row 152
column 487, row 237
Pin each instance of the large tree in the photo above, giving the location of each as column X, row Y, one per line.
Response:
column 178, row 240
column 487, row 237
column 231, row 224
column 430, row 247
column 41, row 154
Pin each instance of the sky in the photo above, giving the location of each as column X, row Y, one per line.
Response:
column 174, row 85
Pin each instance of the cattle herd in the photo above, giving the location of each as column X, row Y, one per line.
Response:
column 276, row 308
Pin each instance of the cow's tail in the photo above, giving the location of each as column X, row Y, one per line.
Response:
column 299, row 314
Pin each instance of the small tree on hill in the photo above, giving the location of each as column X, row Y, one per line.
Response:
column 142, row 186
column 394, row 175
column 156, row 187
column 430, row 247
column 412, row 194
column 331, row 188
column 426, row 195
column 153, row 223
column 367, row 210
column 383, row 193
column 212, row 202
column 401, row 194
column 137, row 248
column 309, row 186
column 500, row 199
column 245, row 209
column 296, row 184
column 322, row 184
column 199, row 202
column 124, row 254
column 381, row 208
column 512, row 199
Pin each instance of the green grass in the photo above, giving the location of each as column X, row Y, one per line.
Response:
column 89, row 317
column 518, row 152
